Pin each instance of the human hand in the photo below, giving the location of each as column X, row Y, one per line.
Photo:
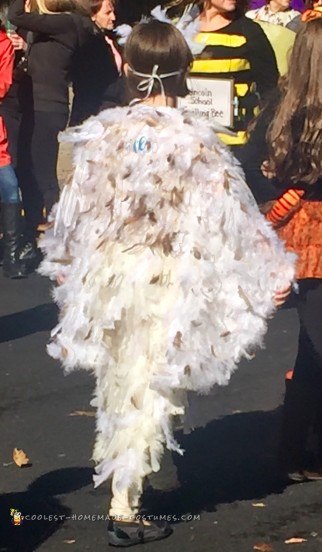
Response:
column 60, row 279
column 281, row 296
column 28, row 6
column 17, row 42
column 267, row 170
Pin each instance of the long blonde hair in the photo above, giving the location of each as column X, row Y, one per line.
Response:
column 54, row 6
column 295, row 134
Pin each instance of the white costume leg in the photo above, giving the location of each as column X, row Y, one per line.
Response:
column 134, row 420
column 125, row 503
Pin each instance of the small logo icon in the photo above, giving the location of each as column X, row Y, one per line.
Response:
column 141, row 145
column 16, row 517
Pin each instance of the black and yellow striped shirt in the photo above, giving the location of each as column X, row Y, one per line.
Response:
column 240, row 51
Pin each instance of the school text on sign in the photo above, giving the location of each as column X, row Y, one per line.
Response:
column 211, row 99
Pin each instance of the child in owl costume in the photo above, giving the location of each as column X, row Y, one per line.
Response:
column 167, row 270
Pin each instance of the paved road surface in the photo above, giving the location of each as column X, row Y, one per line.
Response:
column 229, row 464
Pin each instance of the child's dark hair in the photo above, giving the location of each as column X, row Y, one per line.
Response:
column 161, row 44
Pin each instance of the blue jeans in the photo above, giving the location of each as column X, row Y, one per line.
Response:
column 9, row 192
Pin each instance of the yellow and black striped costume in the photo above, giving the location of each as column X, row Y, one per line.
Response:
column 240, row 51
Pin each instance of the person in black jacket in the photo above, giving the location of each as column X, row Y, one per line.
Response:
column 56, row 36
column 97, row 68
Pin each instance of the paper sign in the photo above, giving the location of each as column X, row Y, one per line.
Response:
column 211, row 99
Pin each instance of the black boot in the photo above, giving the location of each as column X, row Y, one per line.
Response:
column 30, row 254
column 13, row 267
column 298, row 417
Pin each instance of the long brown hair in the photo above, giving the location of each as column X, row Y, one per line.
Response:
column 295, row 134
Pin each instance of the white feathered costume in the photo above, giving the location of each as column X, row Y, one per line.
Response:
column 170, row 272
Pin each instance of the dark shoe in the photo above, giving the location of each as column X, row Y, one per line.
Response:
column 31, row 255
column 129, row 533
column 13, row 267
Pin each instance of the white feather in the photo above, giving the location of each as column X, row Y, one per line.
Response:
column 122, row 32
column 153, row 324
column 160, row 14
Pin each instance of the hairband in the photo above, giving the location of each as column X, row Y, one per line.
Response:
column 146, row 85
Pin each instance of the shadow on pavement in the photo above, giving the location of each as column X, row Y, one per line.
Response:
column 231, row 459
column 39, row 500
column 20, row 324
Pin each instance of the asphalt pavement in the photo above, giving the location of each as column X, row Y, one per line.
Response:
column 231, row 497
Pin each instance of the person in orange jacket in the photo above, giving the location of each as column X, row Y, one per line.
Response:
column 294, row 163
column 13, row 267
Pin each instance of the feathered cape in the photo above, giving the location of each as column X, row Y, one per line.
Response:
column 170, row 272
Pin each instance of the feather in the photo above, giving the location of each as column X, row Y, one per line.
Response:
column 160, row 14
column 122, row 32
column 170, row 272
column 188, row 24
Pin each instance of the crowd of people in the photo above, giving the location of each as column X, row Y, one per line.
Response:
column 55, row 45
column 167, row 266
column 59, row 45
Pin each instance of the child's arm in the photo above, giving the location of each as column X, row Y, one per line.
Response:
column 282, row 209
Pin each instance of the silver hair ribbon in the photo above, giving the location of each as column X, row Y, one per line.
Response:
column 146, row 85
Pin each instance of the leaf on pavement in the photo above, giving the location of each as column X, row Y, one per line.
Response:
column 295, row 540
column 263, row 547
column 70, row 541
column 259, row 505
column 87, row 413
column 20, row 458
